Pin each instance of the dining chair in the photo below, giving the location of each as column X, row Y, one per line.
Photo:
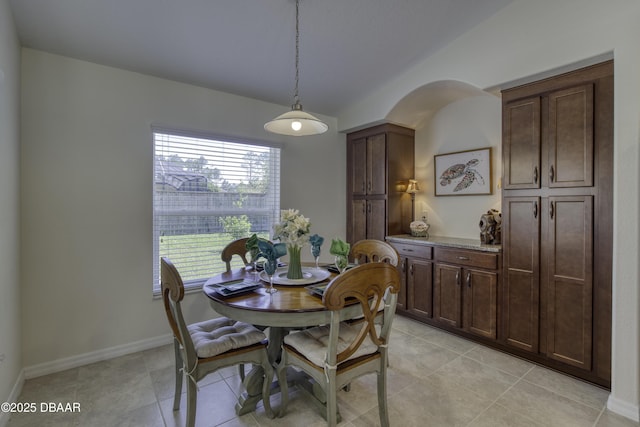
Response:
column 371, row 250
column 204, row 347
column 337, row 353
column 237, row 247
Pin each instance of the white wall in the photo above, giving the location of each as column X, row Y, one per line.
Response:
column 10, row 327
column 521, row 41
column 87, row 196
column 466, row 124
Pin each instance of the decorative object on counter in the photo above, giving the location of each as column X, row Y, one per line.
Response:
column 293, row 230
column 491, row 227
column 271, row 252
column 419, row 229
column 413, row 188
column 463, row 173
column 340, row 250
column 316, row 242
column 296, row 122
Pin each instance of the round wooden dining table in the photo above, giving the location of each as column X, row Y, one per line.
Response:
column 292, row 307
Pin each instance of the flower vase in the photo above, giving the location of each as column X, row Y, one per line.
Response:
column 295, row 267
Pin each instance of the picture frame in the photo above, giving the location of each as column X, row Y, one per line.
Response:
column 463, row 173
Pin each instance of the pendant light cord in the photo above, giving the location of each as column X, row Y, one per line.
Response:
column 296, row 99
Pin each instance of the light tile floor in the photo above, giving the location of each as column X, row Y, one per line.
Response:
column 434, row 379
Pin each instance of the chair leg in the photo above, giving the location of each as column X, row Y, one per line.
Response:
column 192, row 399
column 178, row 389
column 332, row 399
column 382, row 397
column 281, row 371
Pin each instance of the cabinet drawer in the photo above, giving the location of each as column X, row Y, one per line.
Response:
column 416, row 251
column 468, row 258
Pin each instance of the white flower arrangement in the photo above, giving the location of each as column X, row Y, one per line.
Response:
column 419, row 228
column 293, row 228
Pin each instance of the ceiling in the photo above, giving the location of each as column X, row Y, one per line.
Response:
column 348, row 48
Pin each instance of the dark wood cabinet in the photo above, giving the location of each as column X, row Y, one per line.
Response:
column 557, row 221
column 548, row 140
column 570, row 139
column 447, row 295
column 465, row 294
column 521, row 144
column 521, row 289
column 380, row 160
column 417, row 277
column 569, row 282
column 449, row 287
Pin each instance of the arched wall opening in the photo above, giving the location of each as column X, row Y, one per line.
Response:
column 451, row 116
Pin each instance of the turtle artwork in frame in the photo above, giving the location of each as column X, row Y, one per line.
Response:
column 463, row 173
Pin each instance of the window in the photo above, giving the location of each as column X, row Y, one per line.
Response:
column 208, row 192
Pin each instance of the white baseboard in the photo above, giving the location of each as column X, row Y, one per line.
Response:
column 623, row 408
column 94, row 356
column 13, row 397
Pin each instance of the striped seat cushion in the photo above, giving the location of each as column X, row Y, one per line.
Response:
column 217, row 336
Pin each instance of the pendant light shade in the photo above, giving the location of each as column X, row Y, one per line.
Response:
column 296, row 122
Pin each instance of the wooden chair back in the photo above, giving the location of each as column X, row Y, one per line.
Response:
column 237, row 247
column 371, row 250
column 375, row 286
column 172, row 288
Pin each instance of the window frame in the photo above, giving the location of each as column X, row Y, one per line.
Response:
column 273, row 194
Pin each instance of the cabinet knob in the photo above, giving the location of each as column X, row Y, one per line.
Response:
column 552, row 173
column 463, row 258
column 552, row 210
column 535, row 209
column 458, row 278
column 469, row 279
column 535, row 175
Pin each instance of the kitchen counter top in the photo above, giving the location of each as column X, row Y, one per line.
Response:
column 453, row 242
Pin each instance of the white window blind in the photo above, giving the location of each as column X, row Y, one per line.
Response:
column 208, row 192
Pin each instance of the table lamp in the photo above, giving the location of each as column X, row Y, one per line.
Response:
column 412, row 188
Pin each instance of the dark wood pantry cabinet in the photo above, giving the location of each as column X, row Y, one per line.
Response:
column 380, row 161
column 557, row 221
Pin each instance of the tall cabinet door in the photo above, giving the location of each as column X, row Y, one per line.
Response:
column 358, row 223
column 377, row 164
column 376, row 219
column 570, row 282
column 521, row 290
column 521, row 144
column 570, row 145
column 358, row 159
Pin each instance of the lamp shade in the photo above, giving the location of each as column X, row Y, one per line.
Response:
column 413, row 188
column 296, row 123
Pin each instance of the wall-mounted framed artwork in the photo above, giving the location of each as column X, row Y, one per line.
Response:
column 463, row 173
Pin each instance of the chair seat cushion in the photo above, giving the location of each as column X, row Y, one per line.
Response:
column 219, row 335
column 314, row 342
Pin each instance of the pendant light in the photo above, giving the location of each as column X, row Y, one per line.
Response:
column 296, row 122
